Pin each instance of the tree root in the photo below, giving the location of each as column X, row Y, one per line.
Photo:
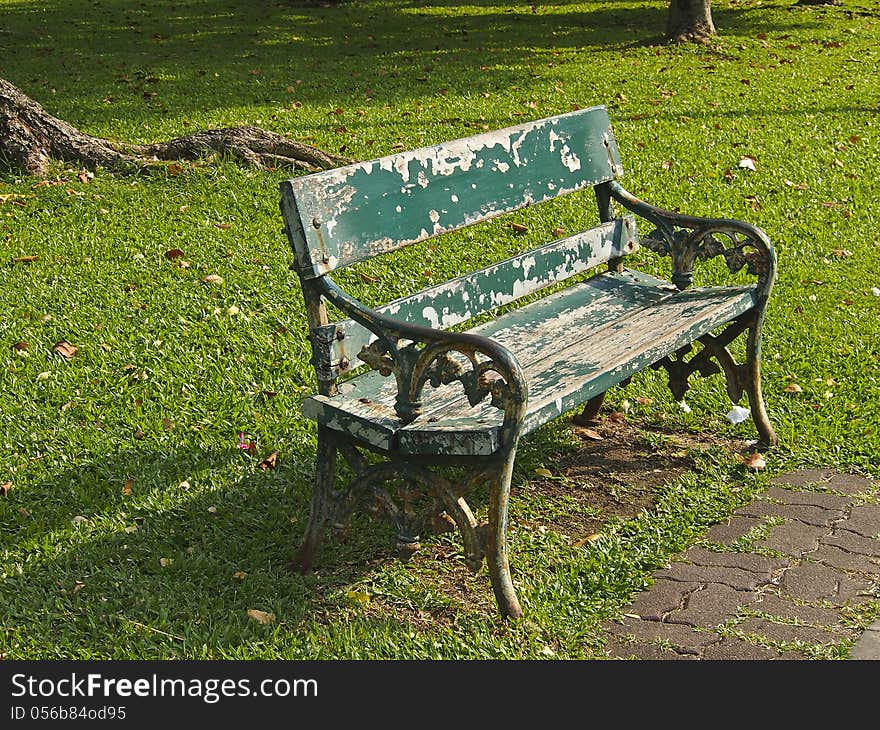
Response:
column 30, row 138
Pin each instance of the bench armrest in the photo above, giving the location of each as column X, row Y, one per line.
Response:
column 686, row 238
column 417, row 355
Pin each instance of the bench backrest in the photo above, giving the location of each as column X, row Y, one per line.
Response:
column 338, row 217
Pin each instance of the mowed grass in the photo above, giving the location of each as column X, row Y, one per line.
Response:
column 132, row 525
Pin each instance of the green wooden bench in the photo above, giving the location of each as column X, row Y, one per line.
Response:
column 421, row 397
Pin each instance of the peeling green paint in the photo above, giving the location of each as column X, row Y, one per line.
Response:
column 361, row 210
column 572, row 346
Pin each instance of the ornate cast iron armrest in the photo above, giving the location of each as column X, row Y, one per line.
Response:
column 687, row 238
column 417, row 355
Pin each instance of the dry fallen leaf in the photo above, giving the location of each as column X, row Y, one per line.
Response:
column 270, row 462
column 589, row 433
column 588, row 539
column 559, row 231
column 79, row 519
column 754, row 461
column 793, row 388
column 361, row 597
column 519, row 227
column 213, row 279
column 223, row 226
column 126, row 488
column 747, row 163
column 78, row 586
column 617, row 416
column 65, row 349
column 261, row 617
column 5, row 488
column 541, row 472
column 173, row 253
column 165, row 562
column 175, row 168
column 167, row 424
column 131, row 529
column 24, row 259
column 841, row 253
column 643, row 401
column 240, row 574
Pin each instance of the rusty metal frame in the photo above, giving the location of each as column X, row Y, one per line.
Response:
column 686, row 240
column 418, row 356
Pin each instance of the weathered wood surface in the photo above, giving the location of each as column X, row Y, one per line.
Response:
column 361, row 210
column 459, row 300
column 572, row 346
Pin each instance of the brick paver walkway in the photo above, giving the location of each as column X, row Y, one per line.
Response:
column 791, row 575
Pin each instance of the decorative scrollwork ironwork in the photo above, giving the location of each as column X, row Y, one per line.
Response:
column 713, row 357
column 434, row 364
column 686, row 239
column 687, row 246
column 411, row 498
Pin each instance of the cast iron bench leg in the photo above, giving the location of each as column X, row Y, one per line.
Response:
column 325, row 478
column 496, row 548
column 753, row 388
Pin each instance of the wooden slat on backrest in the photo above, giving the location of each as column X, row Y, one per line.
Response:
column 337, row 217
column 461, row 299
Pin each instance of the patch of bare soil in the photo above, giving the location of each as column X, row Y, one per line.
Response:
column 617, row 472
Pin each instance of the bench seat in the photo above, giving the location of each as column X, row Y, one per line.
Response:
column 572, row 346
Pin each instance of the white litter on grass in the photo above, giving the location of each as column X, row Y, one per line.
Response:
column 738, row 414
column 684, row 406
column 748, row 163
column 875, row 290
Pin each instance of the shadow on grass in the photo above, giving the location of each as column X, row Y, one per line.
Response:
column 97, row 572
column 91, row 62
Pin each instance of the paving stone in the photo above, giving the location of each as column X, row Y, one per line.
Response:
column 815, row 582
column 793, row 538
column 775, row 605
column 851, row 484
column 845, row 560
column 664, row 596
column 817, row 499
column 744, row 561
column 712, row 606
column 801, row 512
column 853, row 542
column 802, row 477
column 725, row 533
column 789, row 633
column 864, row 519
column 683, row 638
column 617, row 649
column 744, row 580
column 868, row 645
column 732, row 648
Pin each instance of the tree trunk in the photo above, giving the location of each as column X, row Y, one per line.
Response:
column 30, row 137
column 689, row 21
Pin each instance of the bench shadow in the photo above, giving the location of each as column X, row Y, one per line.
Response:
column 185, row 563
column 172, row 571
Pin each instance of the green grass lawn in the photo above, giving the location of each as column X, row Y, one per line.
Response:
column 134, row 527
